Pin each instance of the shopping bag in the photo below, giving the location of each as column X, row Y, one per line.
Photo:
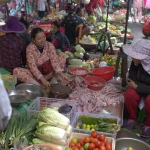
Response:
column 132, row 11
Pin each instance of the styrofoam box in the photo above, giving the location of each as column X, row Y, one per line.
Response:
column 40, row 102
column 81, row 135
column 95, row 116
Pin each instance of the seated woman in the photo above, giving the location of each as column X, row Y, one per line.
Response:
column 138, row 83
column 12, row 47
column 59, row 39
column 42, row 61
column 86, row 28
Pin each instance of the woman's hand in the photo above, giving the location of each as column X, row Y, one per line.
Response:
column 64, row 77
column 47, row 77
column 131, row 84
column 44, row 82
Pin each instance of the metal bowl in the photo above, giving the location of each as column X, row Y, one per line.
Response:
column 136, row 144
column 126, row 133
column 18, row 96
column 59, row 91
column 34, row 90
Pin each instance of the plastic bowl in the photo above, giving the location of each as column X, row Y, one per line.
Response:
column 73, row 71
column 92, row 80
column 104, row 72
column 43, row 145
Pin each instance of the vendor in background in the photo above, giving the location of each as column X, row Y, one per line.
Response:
column 59, row 39
column 71, row 21
column 42, row 62
column 138, row 84
column 41, row 6
column 25, row 35
column 86, row 29
column 12, row 47
column 91, row 6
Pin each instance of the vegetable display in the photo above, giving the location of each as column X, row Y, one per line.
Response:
column 97, row 124
column 94, row 141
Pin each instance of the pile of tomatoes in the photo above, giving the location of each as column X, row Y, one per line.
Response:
column 94, row 142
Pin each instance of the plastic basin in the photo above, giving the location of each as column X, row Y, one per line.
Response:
column 104, row 72
column 79, row 72
column 93, row 80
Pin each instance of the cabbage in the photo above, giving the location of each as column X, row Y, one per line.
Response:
column 75, row 62
column 79, row 49
column 70, row 55
column 79, row 54
column 74, row 66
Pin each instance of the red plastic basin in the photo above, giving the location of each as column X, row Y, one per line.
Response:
column 95, row 82
column 104, row 72
column 73, row 71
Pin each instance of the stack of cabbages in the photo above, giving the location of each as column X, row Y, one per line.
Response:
column 53, row 128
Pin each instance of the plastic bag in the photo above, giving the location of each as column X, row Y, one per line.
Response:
column 142, row 103
column 132, row 11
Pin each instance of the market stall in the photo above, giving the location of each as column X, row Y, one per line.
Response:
column 85, row 114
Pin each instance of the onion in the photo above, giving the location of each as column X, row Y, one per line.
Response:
column 86, row 56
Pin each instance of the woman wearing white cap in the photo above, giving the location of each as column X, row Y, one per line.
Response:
column 138, row 84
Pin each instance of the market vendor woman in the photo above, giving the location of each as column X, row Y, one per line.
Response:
column 59, row 39
column 42, row 61
column 138, row 84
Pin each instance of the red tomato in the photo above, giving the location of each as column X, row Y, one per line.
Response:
column 102, row 147
column 94, row 140
column 91, row 138
column 74, row 148
column 78, row 145
column 94, row 134
column 96, row 149
column 71, row 144
column 108, row 146
column 81, row 148
column 102, row 143
column 87, row 139
column 97, row 144
column 91, row 146
column 81, row 141
column 101, row 137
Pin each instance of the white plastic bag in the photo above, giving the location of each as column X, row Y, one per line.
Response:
column 142, row 103
column 85, row 1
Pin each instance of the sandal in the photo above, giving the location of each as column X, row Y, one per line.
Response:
column 129, row 124
column 145, row 134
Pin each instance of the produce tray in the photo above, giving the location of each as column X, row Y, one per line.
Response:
column 74, row 123
column 83, row 135
column 40, row 102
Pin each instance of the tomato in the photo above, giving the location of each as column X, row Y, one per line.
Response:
column 81, row 148
column 91, row 138
column 96, row 149
column 87, row 139
column 94, row 140
column 94, row 134
column 102, row 147
column 71, row 144
column 91, row 146
column 108, row 146
column 102, row 143
column 81, row 141
column 97, row 144
column 78, row 145
column 101, row 137
column 74, row 148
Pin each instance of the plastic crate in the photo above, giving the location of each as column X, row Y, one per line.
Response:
column 41, row 102
column 113, row 135
column 83, row 135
